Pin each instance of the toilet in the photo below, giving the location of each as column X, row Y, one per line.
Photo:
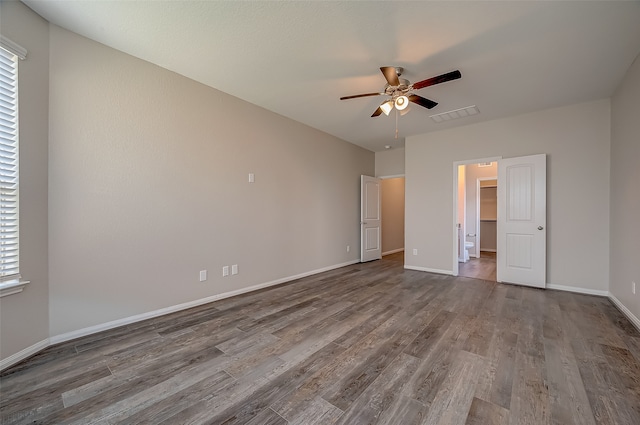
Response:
column 467, row 246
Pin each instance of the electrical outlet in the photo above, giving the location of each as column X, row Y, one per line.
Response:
column 203, row 275
column 415, row 251
column 633, row 288
column 234, row 269
column 348, row 248
column 225, row 271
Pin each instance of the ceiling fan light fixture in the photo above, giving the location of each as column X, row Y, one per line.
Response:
column 401, row 102
column 387, row 107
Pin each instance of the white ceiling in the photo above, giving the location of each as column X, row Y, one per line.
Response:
column 298, row 58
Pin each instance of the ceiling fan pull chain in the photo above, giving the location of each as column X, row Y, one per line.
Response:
column 396, row 123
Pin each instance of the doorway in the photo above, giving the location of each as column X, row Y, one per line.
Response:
column 468, row 258
column 521, row 219
column 392, row 197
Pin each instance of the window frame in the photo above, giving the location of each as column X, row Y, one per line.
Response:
column 11, row 281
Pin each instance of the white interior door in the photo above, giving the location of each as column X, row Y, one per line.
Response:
column 522, row 213
column 370, row 234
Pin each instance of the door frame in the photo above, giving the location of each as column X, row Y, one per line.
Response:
column 454, row 222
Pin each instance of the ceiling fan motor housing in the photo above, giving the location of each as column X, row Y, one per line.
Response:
column 395, row 91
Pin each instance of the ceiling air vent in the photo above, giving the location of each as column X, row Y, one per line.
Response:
column 456, row 113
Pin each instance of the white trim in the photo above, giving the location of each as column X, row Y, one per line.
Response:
column 632, row 318
column 172, row 309
column 393, row 176
column 12, row 287
column 578, row 290
column 393, row 251
column 24, row 354
column 13, row 47
column 425, row 269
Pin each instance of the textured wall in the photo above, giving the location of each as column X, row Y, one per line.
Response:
column 149, row 185
column 625, row 190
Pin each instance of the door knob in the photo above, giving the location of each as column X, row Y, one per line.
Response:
column 540, row 227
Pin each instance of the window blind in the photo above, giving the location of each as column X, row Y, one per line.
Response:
column 9, row 264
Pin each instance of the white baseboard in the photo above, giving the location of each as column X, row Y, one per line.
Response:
column 393, row 251
column 426, row 269
column 578, row 290
column 172, row 309
column 24, row 354
column 632, row 318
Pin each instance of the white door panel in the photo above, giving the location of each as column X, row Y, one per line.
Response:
column 521, row 256
column 370, row 243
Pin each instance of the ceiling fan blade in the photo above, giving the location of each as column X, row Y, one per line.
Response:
column 453, row 75
column 377, row 112
column 360, row 95
column 419, row 100
column 391, row 75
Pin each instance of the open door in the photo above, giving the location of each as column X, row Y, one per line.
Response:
column 370, row 234
column 522, row 213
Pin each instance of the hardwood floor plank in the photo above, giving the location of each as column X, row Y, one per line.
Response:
column 383, row 392
column 431, row 334
column 244, row 410
column 530, row 397
column 452, row 403
column 405, row 411
column 495, row 384
column 367, row 343
column 484, row 413
column 318, row 412
column 267, row 417
column 567, row 396
column 165, row 408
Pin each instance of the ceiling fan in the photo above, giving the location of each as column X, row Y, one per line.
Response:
column 401, row 90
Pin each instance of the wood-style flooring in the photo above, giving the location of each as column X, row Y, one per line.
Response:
column 483, row 267
column 364, row 344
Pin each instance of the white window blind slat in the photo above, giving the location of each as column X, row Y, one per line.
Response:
column 9, row 194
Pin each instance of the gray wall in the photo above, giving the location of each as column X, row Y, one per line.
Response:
column 625, row 191
column 576, row 139
column 390, row 163
column 149, row 185
column 24, row 317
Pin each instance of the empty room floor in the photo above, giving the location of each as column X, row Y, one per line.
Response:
column 368, row 343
